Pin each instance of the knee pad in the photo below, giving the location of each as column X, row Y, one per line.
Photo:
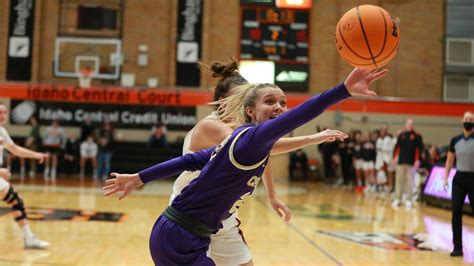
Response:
column 12, row 196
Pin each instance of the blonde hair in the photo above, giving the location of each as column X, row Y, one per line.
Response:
column 232, row 108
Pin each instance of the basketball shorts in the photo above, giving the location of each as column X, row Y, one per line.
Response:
column 171, row 244
column 228, row 246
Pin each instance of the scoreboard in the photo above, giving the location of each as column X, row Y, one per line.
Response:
column 269, row 33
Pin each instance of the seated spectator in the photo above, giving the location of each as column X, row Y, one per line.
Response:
column 299, row 160
column 88, row 151
column 158, row 136
column 52, row 143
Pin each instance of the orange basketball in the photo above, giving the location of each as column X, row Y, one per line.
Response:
column 367, row 37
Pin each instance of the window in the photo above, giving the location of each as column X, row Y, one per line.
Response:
column 86, row 18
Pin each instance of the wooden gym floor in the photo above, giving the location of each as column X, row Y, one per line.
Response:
column 330, row 226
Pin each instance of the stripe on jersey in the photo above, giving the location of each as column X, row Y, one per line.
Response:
column 235, row 163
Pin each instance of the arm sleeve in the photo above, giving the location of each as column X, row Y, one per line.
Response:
column 188, row 162
column 262, row 137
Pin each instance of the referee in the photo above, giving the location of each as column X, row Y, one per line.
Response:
column 461, row 148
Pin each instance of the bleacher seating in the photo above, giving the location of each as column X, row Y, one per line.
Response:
column 130, row 157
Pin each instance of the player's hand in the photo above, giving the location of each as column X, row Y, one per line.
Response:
column 5, row 173
column 281, row 209
column 124, row 183
column 328, row 135
column 358, row 81
column 41, row 157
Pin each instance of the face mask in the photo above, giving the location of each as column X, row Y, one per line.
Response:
column 468, row 126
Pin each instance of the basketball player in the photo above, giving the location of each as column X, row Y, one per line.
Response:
column 231, row 171
column 227, row 246
column 7, row 193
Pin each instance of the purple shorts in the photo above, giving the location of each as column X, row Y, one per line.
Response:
column 170, row 244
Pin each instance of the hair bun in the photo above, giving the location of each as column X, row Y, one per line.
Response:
column 221, row 70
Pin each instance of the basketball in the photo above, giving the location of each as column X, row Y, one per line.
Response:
column 367, row 37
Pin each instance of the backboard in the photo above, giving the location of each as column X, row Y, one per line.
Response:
column 102, row 56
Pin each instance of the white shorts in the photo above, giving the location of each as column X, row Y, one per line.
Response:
column 368, row 165
column 358, row 164
column 228, row 246
column 379, row 162
column 3, row 184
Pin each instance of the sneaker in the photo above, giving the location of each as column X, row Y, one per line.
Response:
column 395, row 203
column 31, row 174
column 456, row 253
column 35, row 243
column 408, row 204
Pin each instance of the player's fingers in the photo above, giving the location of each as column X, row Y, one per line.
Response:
column 378, row 75
column 123, row 195
column 110, row 181
column 111, row 192
column 108, row 187
column 287, row 214
column 370, row 93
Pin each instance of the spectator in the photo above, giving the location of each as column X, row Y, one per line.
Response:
column 407, row 156
column 33, row 142
column 328, row 150
column 358, row 161
column 368, row 156
column 88, row 153
column 86, row 128
column 158, row 136
column 346, row 153
column 105, row 143
column 384, row 147
column 71, row 155
column 299, row 160
column 52, row 142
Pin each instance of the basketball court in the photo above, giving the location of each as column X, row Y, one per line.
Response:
column 330, row 226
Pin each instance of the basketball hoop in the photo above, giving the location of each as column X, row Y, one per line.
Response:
column 85, row 78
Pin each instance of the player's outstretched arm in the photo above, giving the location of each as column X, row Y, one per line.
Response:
column 26, row 153
column 285, row 145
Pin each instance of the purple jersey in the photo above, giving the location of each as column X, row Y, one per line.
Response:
column 231, row 171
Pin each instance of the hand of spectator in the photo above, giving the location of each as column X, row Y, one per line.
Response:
column 5, row 173
column 416, row 165
column 358, row 81
column 41, row 157
column 393, row 163
column 124, row 183
column 281, row 209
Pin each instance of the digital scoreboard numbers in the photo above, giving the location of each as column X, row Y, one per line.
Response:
column 279, row 35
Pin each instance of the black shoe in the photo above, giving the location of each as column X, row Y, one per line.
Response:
column 456, row 253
